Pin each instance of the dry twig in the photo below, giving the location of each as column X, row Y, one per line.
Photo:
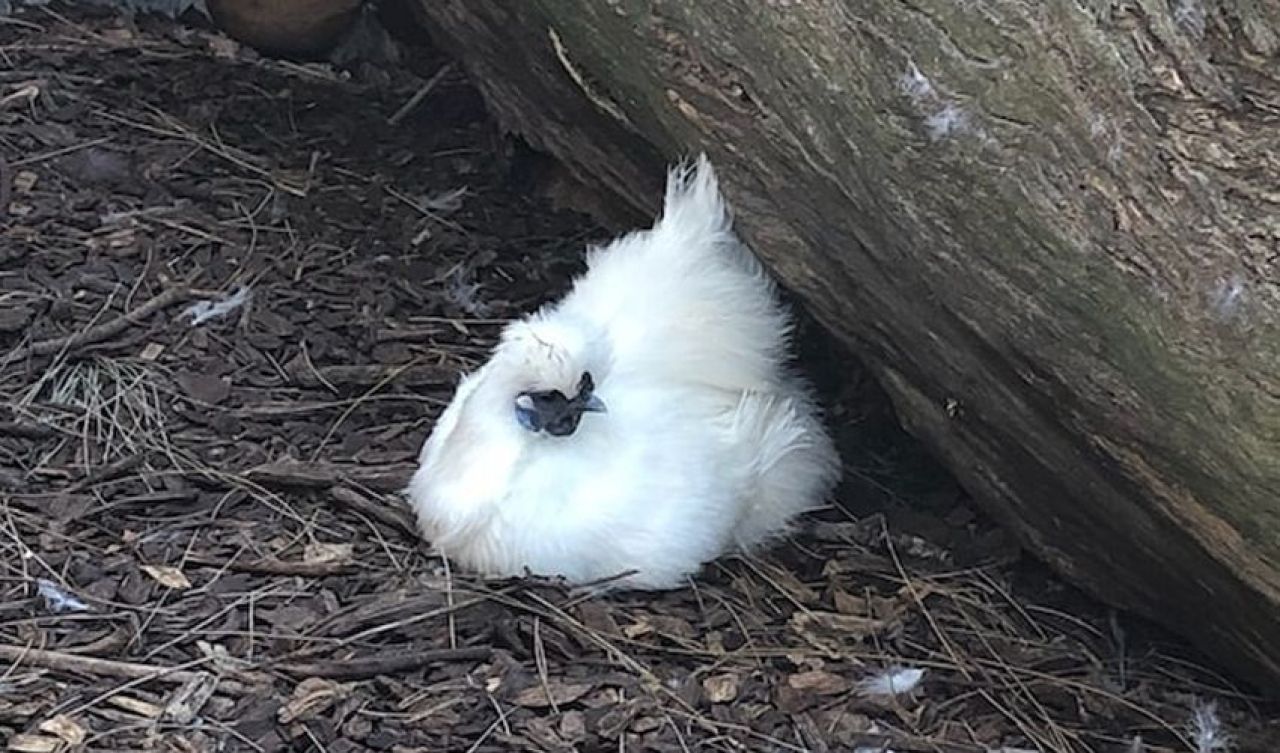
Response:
column 105, row 330
column 64, row 662
column 372, row 666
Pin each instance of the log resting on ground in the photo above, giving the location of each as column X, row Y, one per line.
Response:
column 1052, row 229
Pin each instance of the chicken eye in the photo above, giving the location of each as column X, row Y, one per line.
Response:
column 527, row 413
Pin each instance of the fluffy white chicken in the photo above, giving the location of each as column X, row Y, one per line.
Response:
column 647, row 422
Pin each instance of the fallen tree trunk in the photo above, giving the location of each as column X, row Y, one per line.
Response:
column 1051, row 229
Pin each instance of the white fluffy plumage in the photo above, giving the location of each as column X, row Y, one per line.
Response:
column 705, row 441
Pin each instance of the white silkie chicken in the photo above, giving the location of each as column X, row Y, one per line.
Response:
column 646, row 423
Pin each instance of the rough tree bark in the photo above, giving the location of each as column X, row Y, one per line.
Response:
column 1051, row 228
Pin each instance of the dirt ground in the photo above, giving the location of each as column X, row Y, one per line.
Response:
column 200, row 543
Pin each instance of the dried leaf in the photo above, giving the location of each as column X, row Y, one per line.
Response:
column 721, row 688
column 223, row 47
column 120, row 35
column 24, row 181
column 65, row 728
column 573, row 726
column 536, row 697
column 136, row 706
column 881, row 607
column 819, row 682
column 852, row 627
column 320, row 552
column 168, row 576
column 847, row 603
column 23, row 743
column 611, row 724
column 186, row 702
column 640, row 627
column 312, row 696
column 151, row 352
column 789, row 584
column 673, row 627
column 601, row 698
column 114, row 240
column 596, row 616
column 204, row 388
column 220, row 660
column 541, row 732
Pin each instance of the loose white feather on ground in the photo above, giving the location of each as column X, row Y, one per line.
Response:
column 892, row 682
column 645, row 423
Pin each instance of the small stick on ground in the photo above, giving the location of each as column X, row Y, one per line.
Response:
column 420, row 95
column 364, row 668
column 26, row 430
column 105, row 330
column 6, row 187
column 331, row 377
column 107, row 472
column 396, row 517
column 278, row 567
column 63, row 662
column 294, row 474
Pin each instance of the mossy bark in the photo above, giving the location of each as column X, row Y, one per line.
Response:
column 1052, row 229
